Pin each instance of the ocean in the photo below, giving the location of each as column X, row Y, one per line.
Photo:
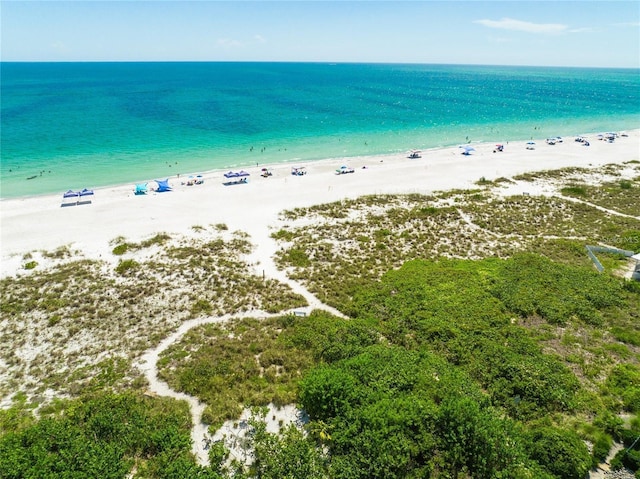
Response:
column 85, row 125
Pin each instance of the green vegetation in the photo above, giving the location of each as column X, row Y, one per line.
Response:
column 59, row 253
column 480, row 343
column 435, row 369
column 621, row 195
column 121, row 246
column 101, row 437
column 127, row 266
column 121, row 249
column 532, row 285
column 78, row 313
column 284, row 455
column 574, row 190
column 247, row 363
column 334, row 257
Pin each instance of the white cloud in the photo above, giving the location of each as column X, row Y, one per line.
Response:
column 229, row 43
column 583, row 30
column 259, row 39
column 519, row 25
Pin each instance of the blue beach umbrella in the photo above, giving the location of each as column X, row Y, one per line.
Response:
column 71, row 194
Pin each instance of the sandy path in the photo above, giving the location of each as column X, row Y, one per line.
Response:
column 148, row 364
column 263, row 263
column 263, row 259
column 603, row 468
column 600, row 208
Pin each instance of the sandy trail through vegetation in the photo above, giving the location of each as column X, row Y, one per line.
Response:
column 148, row 364
column 262, row 258
column 600, row 208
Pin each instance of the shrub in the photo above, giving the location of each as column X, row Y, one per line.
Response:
column 201, row 306
column 30, row 265
column 283, row 235
column 58, row 253
column 298, row 258
column 628, row 336
column 561, row 452
column 624, row 381
column 127, row 266
column 120, row 249
column 533, row 285
column 574, row 190
column 158, row 239
column 53, row 320
column 601, row 448
column 98, row 436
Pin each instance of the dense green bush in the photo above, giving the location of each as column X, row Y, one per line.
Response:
column 99, row 437
column 448, row 307
column 298, row 258
column 399, row 413
column 533, row 285
column 120, row 249
column 286, row 455
column 624, row 381
column 574, row 190
column 560, row 452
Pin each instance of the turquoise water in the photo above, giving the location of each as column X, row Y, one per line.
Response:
column 76, row 125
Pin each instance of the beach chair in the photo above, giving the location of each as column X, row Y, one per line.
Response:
column 83, row 194
column 70, row 198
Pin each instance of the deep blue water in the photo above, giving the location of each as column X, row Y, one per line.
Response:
column 74, row 125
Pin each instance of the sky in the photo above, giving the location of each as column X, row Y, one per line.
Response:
column 546, row 33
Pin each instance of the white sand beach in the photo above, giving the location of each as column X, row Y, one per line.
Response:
column 40, row 223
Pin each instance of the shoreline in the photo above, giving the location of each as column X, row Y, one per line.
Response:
column 38, row 223
column 173, row 165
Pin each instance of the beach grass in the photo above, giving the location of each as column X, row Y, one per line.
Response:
column 61, row 324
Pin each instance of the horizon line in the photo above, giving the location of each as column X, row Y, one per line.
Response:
column 326, row 62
